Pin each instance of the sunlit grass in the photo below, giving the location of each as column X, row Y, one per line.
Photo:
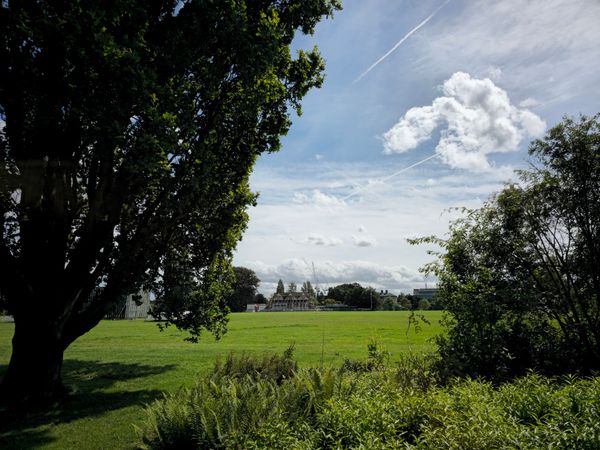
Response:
column 120, row 365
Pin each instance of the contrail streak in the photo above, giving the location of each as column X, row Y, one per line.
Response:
column 395, row 174
column 401, row 41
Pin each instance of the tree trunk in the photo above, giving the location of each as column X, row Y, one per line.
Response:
column 34, row 370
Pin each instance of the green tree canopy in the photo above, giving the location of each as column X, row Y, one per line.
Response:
column 260, row 298
column 353, row 294
column 130, row 132
column 243, row 290
column 406, row 301
column 424, row 304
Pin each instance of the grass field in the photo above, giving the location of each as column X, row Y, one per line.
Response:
column 121, row 365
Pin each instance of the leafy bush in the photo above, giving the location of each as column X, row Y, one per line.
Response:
column 383, row 408
column 376, row 360
column 269, row 366
column 418, row 372
column 531, row 412
column 213, row 414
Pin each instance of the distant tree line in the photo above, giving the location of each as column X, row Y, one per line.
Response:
column 357, row 296
column 244, row 292
column 412, row 302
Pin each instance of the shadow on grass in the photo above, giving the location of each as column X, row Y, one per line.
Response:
column 89, row 381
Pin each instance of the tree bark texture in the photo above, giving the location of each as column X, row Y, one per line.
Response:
column 34, row 370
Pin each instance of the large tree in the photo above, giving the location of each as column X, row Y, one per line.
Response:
column 521, row 276
column 128, row 131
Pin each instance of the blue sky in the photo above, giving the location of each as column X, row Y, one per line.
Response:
column 468, row 89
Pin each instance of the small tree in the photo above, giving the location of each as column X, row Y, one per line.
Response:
column 388, row 304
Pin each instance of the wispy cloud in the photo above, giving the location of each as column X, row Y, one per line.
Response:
column 547, row 49
column 401, row 41
column 364, row 238
column 321, row 240
column 318, row 198
column 383, row 180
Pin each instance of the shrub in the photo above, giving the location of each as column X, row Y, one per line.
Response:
column 269, row 366
column 383, row 408
column 376, row 360
column 218, row 413
column 418, row 372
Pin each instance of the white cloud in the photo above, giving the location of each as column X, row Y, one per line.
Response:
column 318, row 198
column 331, row 273
column 404, row 206
column 477, row 119
column 319, row 239
column 363, row 239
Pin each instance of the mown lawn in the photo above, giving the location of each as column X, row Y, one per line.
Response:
column 121, row 365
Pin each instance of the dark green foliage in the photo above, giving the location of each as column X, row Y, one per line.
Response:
column 243, row 289
column 424, row 304
column 131, row 130
column 379, row 409
column 409, row 301
column 376, row 360
column 418, row 372
column 520, row 277
column 247, row 412
column 388, row 304
column 406, row 302
column 353, row 294
column 260, row 298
